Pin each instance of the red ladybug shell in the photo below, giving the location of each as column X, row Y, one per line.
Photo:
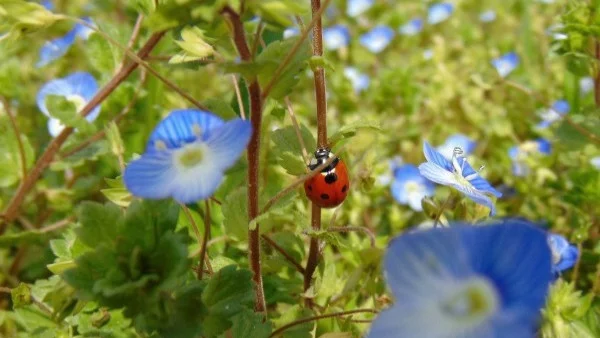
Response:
column 330, row 187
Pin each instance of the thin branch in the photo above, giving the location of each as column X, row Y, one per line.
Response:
column 190, row 218
column 597, row 78
column 257, row 38
column 355, row 229
column 253, row 150
column 297, row 130
column 294, row 49
column 100, row 134
column 282, row 251
column 203, row 255
column 441, row 211
column 238, row 95
column 46, row 158
column 57, row 225
column 15, row 126
column 134, row 36
column 315, row 318
column 313, row 252
column 295, row 184
column 593, row 137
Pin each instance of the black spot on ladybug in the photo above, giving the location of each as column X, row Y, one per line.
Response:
column 330, row 178
column 344, row 188
column 325, row 196
column 310, row 187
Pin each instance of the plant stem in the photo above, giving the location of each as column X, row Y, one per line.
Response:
column 320, row 92
column 314, row 318
column 441, row 211
column 15, row 126
column 282, row 251
column 297, row 130
column 597, row 78
column 46, row 158
column 238, row 95
column 203, row 257
column 256, row 103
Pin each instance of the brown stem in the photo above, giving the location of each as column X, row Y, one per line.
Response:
column 203, row 256
column 239, row 38
column 320, row 91
column 46, row 158
column 597, row 78
column 310, row 319
column 15, row 127
column 134, row 36
column 282, row 251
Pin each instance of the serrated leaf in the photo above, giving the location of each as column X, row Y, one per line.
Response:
column 99, row 223
column 286, row 140
column 250, row 324
column 33, row 237
column 351, row 129
column 90, row 153
column 270, row 59
column 292, row 164
column 194, row 44
column 235, row 210
column 24, row 17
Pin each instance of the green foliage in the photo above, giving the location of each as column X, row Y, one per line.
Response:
column 11, row 165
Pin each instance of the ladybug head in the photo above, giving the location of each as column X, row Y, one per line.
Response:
column 321, row 155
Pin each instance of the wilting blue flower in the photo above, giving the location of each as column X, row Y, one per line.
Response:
column 520, row 153
column 413, row 27
column 56, row 48
column 78, row 88
column 459, row 175
column 586, row 84
column 487, row 16
column 439, row 12
column 461, row 141
column 506, row 63
column 409, row 187
column 360, row 81
column 357, row 7
column 564, row 255
column 595, row 162
column 186, row 156
column 291, row 32
column 336, row 37
column 466, row 281
column 377, row 38
column 556, row 112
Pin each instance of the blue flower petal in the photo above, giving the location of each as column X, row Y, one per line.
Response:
column 360, row 81
column 466, row 144
column 197, row 184
column 561, row 106
column 439, row 12
column 377, row 39
column 151, row 176
column 357, row 7
column 48, row 4
column 434, row 156
column 487, row 16
column 413, row 27
column 228, row 141
column 291, row 32
column 544, row 146
column 80, row 84
column 506, row 63
column 476, row 180
column 54, row 49
column 82, row 31
column 183, row 126
column 58, row 87
column 336, row 37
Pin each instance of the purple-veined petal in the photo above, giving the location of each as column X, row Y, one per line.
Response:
column 435, row 157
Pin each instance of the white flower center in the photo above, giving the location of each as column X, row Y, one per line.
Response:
column 471, row 304
column 412, row 187
column 190, row 155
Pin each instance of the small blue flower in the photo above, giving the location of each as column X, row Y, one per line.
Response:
column 586, row 84
column 56, row 48
column 360, row 81
column 291, row 32
column 556, row 112
column 186, row 156
column 439, row 12
column 487, row 16
column 506, row 63
column 79, row 88
column 564, row 255
column 48, row 4
column 413, row 27
column 409, row 187
column 377, row 38
column 520, row 153
column 466, row 281
column 461, row 141
column 357, row 7
column 459, row 175
column 336, row 37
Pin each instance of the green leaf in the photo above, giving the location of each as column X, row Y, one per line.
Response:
column 23, row 16
column 11, row 166
column 32, row 237
column 89, row 153
column 293, row 164
column 146, row 7
column 294, row 313
column 194, row 44
column 270, row 59
column 286, row 140
column 67, row 112
column 117, row 193
column 250, row 324
column 235, row 210
column 99, row 223
column 220, row 108
column 103, row 55
column 279, row 12
column 21, row 296
column 351, row 129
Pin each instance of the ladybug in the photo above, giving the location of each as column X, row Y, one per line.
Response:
column 330, row 187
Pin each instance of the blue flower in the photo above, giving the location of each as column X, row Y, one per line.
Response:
column 360, row 81
column 461, row 141
column 291, row 32
column 48, row 4
column 439, row 12
column 520, row 153
column 357, row 7
column 487, row 16
column 336, row 37
column 555, row 113
column 564, row 255
column 506, row 63
column 459, row 175
column 56, row 48
column 586, row 84
column 186, row 156
column 466, row 281
column 413, row 27
column 79, row 88
column 377, row 38
column 409, row 187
